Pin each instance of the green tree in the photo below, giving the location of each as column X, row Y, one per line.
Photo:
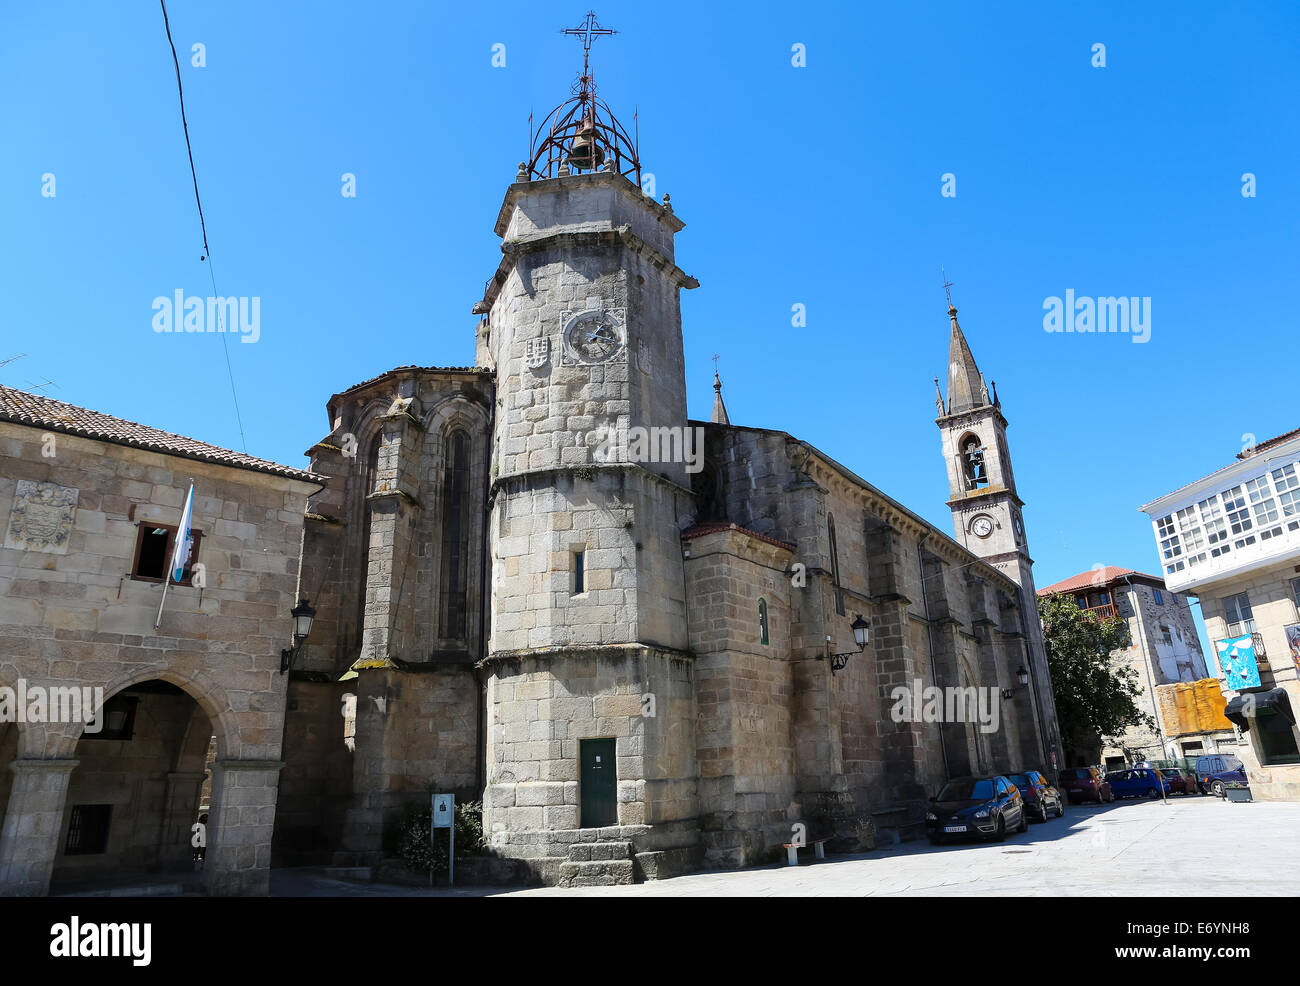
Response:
column 1094, row 697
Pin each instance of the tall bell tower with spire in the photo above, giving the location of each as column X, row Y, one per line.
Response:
column 986, row 508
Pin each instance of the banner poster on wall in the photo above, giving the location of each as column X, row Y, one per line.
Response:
column 1237, row 662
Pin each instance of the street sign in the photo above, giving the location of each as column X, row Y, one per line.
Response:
column 444, row 815
column 444, row 810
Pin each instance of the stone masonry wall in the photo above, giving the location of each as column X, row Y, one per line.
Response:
column 744, row 696
column 540, row 707
column 73, row 616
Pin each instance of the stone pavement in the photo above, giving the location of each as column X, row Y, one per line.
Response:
column 1193, row 846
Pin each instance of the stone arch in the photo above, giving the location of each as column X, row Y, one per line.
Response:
column 133, row 800
column 367, row 428
column 210, row 697
column 709, row 487
column 972, row 463
column 454, row 415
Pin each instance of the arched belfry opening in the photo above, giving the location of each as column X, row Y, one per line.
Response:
column 971, row 456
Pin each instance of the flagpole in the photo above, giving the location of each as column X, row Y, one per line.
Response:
column 182, row 534
column 167, row 580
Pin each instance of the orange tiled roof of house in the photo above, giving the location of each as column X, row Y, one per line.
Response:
column 40, row 411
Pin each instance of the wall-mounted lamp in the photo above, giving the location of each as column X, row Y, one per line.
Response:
column 861, row 635
column 303, row 615
column 1022, row 676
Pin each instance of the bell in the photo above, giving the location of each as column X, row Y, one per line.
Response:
column 585, row 153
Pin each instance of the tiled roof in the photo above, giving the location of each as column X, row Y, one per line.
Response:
column 40, row 411
column 699, row 530
column 1267, row 444
column 1096, row 578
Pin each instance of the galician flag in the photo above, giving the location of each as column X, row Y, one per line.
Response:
column 184, row 539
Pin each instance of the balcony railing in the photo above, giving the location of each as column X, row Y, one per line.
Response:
column 1106, row 611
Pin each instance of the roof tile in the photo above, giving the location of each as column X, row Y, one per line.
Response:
column 40, row 411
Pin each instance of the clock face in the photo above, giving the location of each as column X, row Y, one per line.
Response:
column 981, row 527
column 1020, row 528
column 593, row 337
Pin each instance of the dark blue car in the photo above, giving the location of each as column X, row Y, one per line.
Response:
column 1139, row 782
column 1217, row 772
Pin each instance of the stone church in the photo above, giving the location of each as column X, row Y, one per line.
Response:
column 630, row 633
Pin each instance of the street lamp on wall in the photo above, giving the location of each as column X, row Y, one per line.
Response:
column 1022, row 676
column 861, row 636
column 303, row 614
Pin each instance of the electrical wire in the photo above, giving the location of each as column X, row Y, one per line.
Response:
column 207, row 252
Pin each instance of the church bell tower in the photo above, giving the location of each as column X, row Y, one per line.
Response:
column 986, row 509
column 589, row 721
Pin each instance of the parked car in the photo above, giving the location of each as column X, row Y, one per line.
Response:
column 1139, row 782
column 1180, row 780
column 1084, row 784
column 979, row 806
column 1042, row 800
column 1217, row 772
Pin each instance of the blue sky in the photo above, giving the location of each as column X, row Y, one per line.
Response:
column 817, row 186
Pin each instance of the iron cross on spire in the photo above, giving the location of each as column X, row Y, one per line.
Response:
column 947, row 286
column 588, row 31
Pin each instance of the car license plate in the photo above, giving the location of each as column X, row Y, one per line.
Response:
column 954, row 828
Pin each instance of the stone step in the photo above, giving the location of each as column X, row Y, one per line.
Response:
column 597, row 873
column 585, row 852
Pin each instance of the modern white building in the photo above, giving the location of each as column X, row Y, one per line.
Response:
column 1233, row 539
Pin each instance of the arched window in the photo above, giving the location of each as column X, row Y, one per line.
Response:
column 710, row 504
column 762, row 622
column 835, row 566
column 455, row 537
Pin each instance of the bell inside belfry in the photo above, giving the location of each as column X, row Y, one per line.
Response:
column 585, row 153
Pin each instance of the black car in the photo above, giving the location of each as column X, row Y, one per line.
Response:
column 1041, row 799
column 986, row 807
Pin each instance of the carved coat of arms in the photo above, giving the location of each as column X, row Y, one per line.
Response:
column 41, row 518
column 537, row 352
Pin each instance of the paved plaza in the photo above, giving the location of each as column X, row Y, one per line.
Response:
column 1194, row 846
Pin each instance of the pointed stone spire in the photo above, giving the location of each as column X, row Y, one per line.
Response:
column 938, row 397
column 966, row 388
column 719, row 409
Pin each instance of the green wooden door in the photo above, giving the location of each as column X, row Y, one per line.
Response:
column 598, row 783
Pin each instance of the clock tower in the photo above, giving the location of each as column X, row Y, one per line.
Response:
column 590, row 712
column 986, row 509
